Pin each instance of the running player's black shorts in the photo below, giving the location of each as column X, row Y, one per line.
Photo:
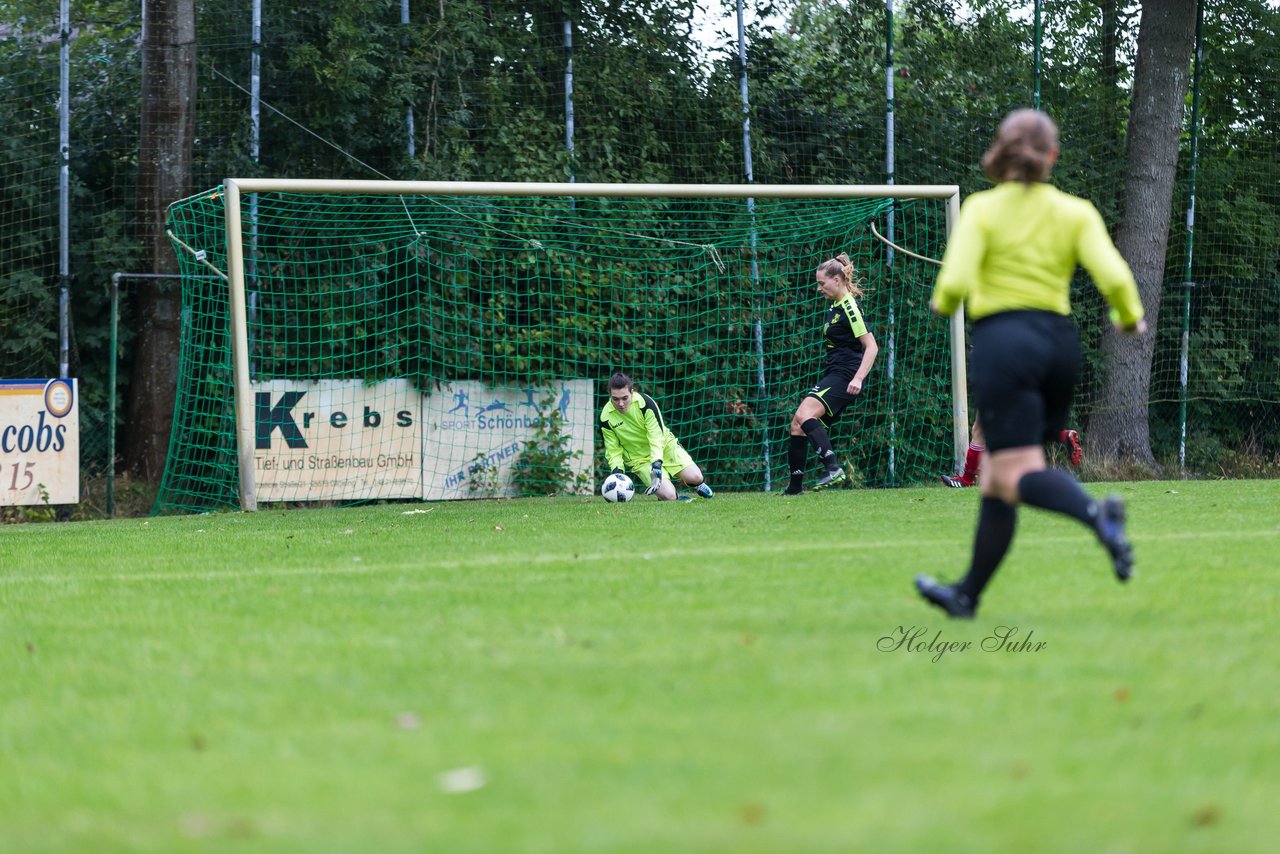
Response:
column 833, row 392
column 1025, row 368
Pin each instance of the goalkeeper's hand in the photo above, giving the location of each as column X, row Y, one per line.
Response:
column 655, row 478
column 1138, row 328
column 617, row 471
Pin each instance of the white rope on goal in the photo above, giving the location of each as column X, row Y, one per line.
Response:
column 199, row 254
column 881, row 237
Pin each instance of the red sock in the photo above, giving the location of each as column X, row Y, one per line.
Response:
column 971, row 459
column 1062, row 437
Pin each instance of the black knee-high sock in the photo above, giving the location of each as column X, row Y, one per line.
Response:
column 1059, row 492
column 821, row 443
column 996, row 522
column 796, row 453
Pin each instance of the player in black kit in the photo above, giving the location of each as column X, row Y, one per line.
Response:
column 850, row 352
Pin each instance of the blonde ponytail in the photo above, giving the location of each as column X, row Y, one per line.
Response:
column 841, row 267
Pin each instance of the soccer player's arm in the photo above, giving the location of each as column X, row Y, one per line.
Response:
column 870, row 349
column 654, row 431
column 1111, row 275
column 961, row 262
column 612, row 445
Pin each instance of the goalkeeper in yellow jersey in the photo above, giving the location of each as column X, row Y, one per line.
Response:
column 637, row 439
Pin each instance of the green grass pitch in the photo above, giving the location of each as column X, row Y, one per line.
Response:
column 561, row 675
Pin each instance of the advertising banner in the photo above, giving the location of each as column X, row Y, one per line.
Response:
column 474, row 434
column 337, row 440
column 39, row 442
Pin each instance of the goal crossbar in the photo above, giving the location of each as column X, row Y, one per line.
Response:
column 515, row 188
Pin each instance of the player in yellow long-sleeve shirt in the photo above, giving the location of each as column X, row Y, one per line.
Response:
column 636, row 438
column 1010, row 259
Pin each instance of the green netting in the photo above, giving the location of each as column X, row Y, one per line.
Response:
column 711, row 305
column 1214, row 391
column 28, row 223
column 472, row 91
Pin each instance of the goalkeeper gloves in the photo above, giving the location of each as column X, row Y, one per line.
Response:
column 617, row 471
column 655, row 478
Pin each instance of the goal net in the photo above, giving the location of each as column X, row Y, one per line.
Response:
column 363, row 341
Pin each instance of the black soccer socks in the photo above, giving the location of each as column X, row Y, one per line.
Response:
column 1058, row 492
column 996, row 523
column 796, row 453
column 821, row 443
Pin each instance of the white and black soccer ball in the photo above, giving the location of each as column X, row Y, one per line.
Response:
column 618, row 487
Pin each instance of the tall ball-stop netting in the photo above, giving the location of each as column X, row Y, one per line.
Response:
column 28, row 227
column 710, row 304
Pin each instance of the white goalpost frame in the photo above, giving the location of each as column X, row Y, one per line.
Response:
column 235, row 187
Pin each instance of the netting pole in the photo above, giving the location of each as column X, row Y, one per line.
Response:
column 255, row 149
column 1036, row 54
column 111, row 396
column 64, row 195
column 758, row 331
column 404, row 41
column 255, row 84
column 1187, row 284
column 568, row 95
column 889, row 171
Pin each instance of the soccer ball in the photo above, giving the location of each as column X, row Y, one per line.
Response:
column 618, row 487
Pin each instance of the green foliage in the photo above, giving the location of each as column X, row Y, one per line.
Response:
column 816, row 92
column 28, row 213
column 545, row 463
column 482, row 477
column 485, row 81
column 26, row 513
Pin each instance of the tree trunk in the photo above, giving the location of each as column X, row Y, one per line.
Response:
column 1119, row 428
column 164, row 175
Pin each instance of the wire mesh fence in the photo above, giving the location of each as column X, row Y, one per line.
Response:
column 834, row 93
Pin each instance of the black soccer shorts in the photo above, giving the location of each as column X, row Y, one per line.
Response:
column 1025, row 367
column 832, row 391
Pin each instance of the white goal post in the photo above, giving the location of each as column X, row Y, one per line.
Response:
column 237, row 189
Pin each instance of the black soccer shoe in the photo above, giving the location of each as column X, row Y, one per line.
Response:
column 1110, row 528
column 831, row 478
column 946, row 597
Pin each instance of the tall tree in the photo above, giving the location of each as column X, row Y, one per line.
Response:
column 164, row 174
column 1119, row 428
